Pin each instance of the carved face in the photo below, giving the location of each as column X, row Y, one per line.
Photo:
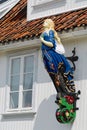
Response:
column 48, row 23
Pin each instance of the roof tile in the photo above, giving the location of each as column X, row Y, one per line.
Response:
column 14, row 25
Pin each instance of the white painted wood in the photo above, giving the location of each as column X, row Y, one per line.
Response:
column 20, row 45
column 6, row 6
column 52, row 7
column 39, row 2
column 45, row 93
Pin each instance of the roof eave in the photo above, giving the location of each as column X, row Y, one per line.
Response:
column 71, row 34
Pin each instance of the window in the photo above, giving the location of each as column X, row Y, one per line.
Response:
column 21, row 81
column 1, row 1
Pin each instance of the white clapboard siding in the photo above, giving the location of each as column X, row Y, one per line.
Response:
column 45, row 94
column 16, row 124
column 3, row 63
column 81, row 82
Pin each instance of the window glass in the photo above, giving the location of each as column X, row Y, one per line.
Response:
column 14, row 100
column 27, row 99
column 28, row 81
column 15, row 83
column 28, row 64
column 2, row 1
column 15, row 66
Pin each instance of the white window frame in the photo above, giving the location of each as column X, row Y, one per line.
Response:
column 6, row 6
column 20, row 109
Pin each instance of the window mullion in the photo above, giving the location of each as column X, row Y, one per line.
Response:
column 21, row 82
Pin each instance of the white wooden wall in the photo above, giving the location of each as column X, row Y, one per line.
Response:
column 44, row 119
column 45, row 8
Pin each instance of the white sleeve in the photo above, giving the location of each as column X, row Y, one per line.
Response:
column 59, row 48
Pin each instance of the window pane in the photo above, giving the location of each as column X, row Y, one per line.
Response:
column 27, row 99
column 15, row 68
column 14, row 100
column 15, row 83
column 2, row 1
column 28, row 64
column 28, row 81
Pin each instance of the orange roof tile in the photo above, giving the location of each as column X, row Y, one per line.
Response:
column 14, row 25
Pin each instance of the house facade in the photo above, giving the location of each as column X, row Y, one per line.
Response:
column 27, row 94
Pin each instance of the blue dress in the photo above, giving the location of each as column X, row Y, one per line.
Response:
column 51, row 58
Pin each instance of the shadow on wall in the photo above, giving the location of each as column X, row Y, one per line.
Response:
column 45, row 118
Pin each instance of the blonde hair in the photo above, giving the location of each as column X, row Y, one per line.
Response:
column 51, row 25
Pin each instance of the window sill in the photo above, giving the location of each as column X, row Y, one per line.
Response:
column 19, row 112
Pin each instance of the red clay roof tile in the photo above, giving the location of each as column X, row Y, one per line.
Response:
column 14, row 25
